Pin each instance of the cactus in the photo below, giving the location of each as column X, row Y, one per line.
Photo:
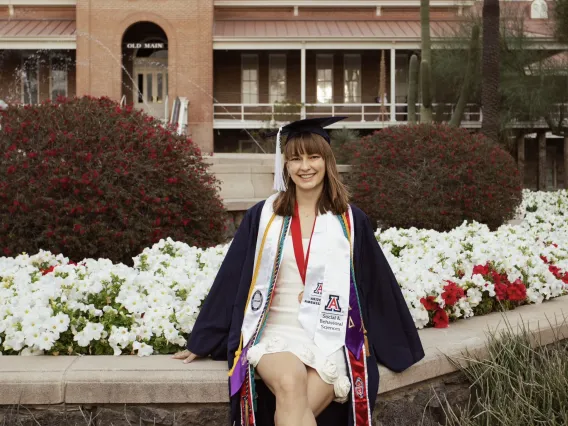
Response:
column 425, row 80
column 469, row 71
column 426, row 54
column 412, row 88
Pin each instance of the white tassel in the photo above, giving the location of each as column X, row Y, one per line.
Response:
column 279, row 184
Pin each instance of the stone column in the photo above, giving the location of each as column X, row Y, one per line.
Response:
column 541, row 160
column 392, row 84
column 303, row 79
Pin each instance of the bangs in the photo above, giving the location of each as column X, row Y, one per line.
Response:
column 307, row 143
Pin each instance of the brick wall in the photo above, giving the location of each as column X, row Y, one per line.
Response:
column 101, row 25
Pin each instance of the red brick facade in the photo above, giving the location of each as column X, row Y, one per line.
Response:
column 205, row 44
column 101, row 25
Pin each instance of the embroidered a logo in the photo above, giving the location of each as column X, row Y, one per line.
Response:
column 256, row 301
column 359, row 388
column 318, row 289
column 333, row 304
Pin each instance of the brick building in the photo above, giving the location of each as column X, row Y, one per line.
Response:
column 242, row 65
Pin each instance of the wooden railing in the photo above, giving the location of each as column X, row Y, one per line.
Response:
column 356, row 113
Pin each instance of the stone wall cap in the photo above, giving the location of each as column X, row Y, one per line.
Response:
column 161, row 379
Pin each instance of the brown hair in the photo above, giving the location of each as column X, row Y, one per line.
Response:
column 334, row 197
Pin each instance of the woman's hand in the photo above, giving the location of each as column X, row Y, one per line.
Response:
column 186, row 355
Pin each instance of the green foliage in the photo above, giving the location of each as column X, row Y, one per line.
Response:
column 531, row 84
column 560, row 14
column 425, row 81
column 89, row 179
column 516, row 383
column 467, row 81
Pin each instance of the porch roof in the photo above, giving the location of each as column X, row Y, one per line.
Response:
column 37, row 28
column 405, row 30
column 26, row 34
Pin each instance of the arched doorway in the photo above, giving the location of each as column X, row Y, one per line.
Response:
column 145, row 57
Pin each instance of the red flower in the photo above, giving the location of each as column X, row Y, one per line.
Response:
column 481, row 269
column 496, row 277
column 429, row 303
column 452, row 293
column 517, row 291
column 48, row 270
column 440, row 318
column 501, row 291
column 544, row 259
column 555, row 270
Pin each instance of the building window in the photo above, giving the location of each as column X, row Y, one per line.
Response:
column 324, row 75
column 277, row 78
column 58, row 76
column 249, row 92
column 352, row 78
column 30, row 79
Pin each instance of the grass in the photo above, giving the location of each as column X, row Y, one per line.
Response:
column 518, row 382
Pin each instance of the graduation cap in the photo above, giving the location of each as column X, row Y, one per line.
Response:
column 294, row 129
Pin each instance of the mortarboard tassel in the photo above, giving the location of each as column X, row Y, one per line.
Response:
column 279, row 184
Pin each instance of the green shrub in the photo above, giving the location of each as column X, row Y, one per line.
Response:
column 87, row 178
column 516, row 384
column 433, row 177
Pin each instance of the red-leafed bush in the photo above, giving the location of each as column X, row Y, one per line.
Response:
column 87, row 178
column 433, row 177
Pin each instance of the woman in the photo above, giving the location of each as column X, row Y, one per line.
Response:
column 305, row 303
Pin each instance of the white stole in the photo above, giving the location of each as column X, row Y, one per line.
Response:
column 325, row 304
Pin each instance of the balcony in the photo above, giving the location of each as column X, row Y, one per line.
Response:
column 360, row 116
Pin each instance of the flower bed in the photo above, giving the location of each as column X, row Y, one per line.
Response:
column 51, row 305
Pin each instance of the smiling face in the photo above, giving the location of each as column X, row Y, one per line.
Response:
column 311, row 169
column 307, row 171
column 306, row 162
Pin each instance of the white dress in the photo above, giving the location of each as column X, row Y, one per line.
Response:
column 284, row 333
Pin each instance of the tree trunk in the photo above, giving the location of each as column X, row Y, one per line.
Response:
column 541, row 161
column 521, row 156
column 566, row 161
column 490, row 70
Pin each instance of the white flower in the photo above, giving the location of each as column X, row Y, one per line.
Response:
column 474, row 296
column 142, row 348
column 58, row 323
column 161, row 295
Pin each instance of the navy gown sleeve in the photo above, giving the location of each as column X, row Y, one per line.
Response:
column 211, row 330
column 390, row 327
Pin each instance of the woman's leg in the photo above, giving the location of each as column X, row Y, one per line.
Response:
column 287, row 378
column 320, row 393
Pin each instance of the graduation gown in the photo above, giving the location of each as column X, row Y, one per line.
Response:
column 393, row 338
